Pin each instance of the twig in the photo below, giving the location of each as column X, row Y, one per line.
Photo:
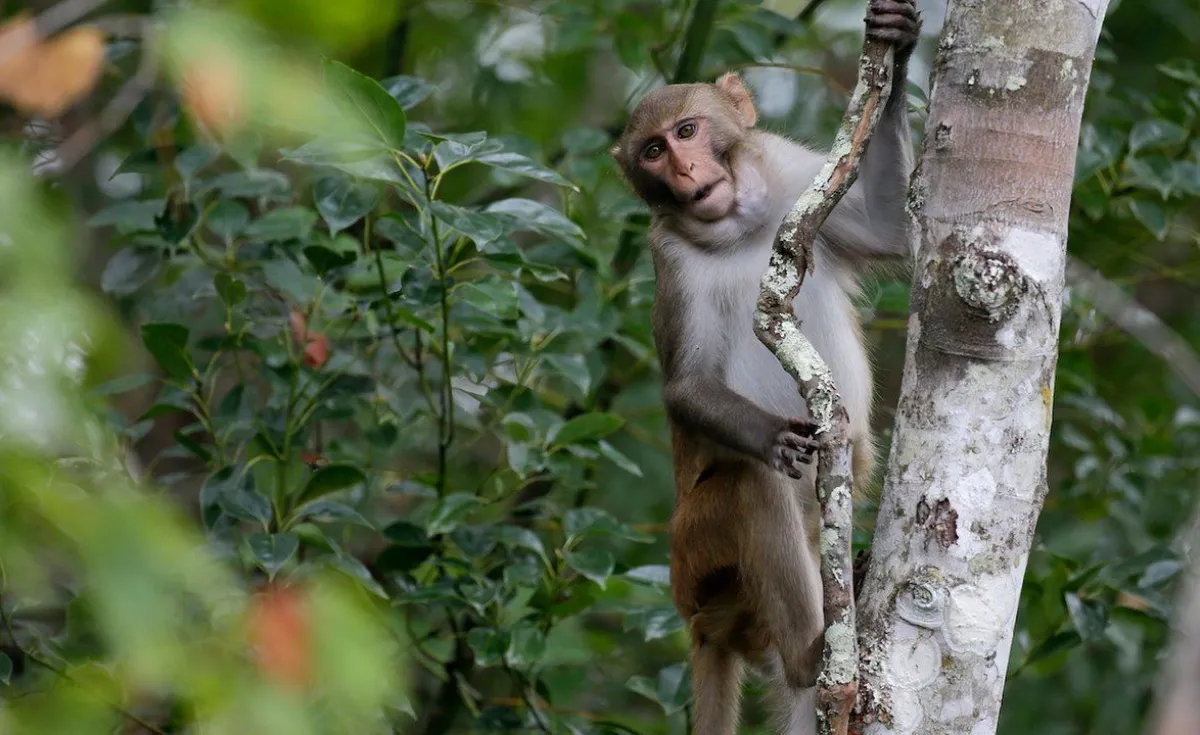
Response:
column 118, row 110
column 776, row 325
column 809, row 10
column 66, row 676
column 1138, row 321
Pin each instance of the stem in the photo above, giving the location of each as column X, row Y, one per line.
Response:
column 446, row 422
column 695, row 42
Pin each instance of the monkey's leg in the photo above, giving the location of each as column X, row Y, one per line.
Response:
column 795, row 707
column 716, row 688
column 783, row 573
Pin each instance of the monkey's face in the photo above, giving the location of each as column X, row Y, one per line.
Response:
column 684, row 159
column 676, row 149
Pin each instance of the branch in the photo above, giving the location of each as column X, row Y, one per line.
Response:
column 128, row 97
column 1137, row 321
column 776, row 325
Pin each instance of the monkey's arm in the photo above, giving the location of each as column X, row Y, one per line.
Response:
column 870, row 221
column 691, row 348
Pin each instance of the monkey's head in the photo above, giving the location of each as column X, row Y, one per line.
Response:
column 675, row 151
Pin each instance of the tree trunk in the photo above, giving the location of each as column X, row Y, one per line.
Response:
column 1177, row 711
column 966, row 475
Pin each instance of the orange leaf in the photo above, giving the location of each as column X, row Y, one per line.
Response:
column 279, row 633
column 316, row 352
column 213, row 93
column 299, row 326
column 45, row 77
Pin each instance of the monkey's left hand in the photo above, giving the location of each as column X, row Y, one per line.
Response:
column 896, row 21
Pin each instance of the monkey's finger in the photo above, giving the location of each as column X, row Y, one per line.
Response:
column 803, row 427
column 892, row 35
column 898, row 7
column 799, row 443
column 889, row 20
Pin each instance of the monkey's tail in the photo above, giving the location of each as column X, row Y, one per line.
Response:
column 863, row 467
column 716, row 689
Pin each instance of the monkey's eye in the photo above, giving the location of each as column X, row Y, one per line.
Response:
column 652, row 151
column 687, row 130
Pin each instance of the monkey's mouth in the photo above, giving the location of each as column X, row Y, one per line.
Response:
column 703, row 192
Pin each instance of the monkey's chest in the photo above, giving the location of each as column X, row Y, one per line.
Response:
column 755, row 373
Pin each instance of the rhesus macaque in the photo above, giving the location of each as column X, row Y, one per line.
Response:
column 744, row 567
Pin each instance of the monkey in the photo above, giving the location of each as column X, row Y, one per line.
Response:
column 745, row 572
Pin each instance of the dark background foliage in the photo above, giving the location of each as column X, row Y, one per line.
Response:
column 413, row 365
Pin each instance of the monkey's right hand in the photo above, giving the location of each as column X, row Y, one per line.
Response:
column 793, row 446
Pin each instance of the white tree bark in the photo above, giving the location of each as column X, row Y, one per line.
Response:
column 966, row 475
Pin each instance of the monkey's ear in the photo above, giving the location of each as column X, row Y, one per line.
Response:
column 615, row 152
column 731, row 84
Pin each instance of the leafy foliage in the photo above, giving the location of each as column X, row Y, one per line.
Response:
column 381, row 348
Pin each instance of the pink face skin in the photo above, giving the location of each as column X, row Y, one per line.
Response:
column 682, row 158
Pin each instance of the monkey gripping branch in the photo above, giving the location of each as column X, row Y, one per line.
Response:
column 776, row 325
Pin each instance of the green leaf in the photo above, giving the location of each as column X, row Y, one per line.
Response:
column 408, row 91
column 286, row 277
column 1183, row 70
column 331, row 479
column 580, row 521
column 671, row 689
column 1055, row 644
column 1155, row 134
column 6, row 669
column 1153, row 173
column 481, row 227
column 342, row 201
column 449, row 511
column 191, row 161
column 654, row 622
column 359, row 95
column 595, row 564
column 517, row 537
column 129, row 216
column 1152, row 215
column 655, row 574
column 1159, row 572
column 526, row 214
column 456, row 148
column 123, row 384
column 358, row 571
column 246, row 505
column 332, row 511
column 588, row 427
column 231, row 290
column 287, row 223
column 130, row 269
column 167, row 343
column 324, row 259
column 1088, row 616
column 525, row 647
column 228, row 219
column 251, row 183
column 1187, row 177
column 489, row 646
column 619, row 459
column 272, row 551
column 525, row 166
